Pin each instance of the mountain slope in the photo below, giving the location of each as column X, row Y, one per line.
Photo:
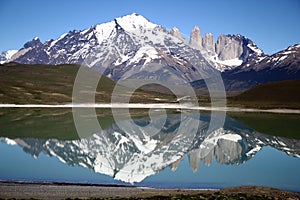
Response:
column 7, row 55
column 284, row 65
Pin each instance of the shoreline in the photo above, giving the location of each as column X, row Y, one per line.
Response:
column 155, row 106
column 64, row 190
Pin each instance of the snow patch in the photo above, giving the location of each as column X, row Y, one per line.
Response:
column 231, row 137
column 255, row 49
column 282, row 58
column 232, row 62
column 147, row 52
column 9, row 141
column 222, row 134
column 253, row 151
column 134, row 21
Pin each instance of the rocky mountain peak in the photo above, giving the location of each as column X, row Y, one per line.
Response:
column 228, row 48
column 33, row 43
column 236, row 46
column 195, row 38
column 175, row 32
column 208, row 42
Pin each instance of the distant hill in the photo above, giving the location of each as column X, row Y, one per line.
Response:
column 274, row 94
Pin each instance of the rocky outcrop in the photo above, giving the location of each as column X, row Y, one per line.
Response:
column 228, row 48
column 33, row 43
column 208, row 43
column 228, row 52
column 175, row 32
column 195, row 38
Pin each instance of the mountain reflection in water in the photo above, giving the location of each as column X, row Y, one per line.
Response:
column 130, row 154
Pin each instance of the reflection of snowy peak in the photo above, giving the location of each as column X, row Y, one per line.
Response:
column 133, row 155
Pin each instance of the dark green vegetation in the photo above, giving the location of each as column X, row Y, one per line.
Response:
column 283, row 125
column 53, row 84
column 282, row 94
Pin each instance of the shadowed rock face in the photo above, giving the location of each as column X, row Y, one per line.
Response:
column 208, row 43
column 130, row 154
column 228, row 48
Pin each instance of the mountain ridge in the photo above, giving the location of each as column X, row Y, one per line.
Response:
column 128, row 23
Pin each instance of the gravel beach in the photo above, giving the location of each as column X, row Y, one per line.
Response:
column 26, row 190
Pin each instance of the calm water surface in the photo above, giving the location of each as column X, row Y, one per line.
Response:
column 177, row 150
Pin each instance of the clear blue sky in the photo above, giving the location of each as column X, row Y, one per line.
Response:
column 272, row 24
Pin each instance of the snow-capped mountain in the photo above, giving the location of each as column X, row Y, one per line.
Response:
column 122, row 49
column 7, row 55
column 132, row 47
column 131, row 156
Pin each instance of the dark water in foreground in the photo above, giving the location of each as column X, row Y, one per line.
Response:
column 180, row 150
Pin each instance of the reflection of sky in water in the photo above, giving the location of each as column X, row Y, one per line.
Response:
column 269, row 167
column 237, row 155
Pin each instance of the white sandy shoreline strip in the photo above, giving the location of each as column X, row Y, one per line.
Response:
column 153, row 105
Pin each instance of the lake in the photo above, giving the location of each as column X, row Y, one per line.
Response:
column 175, row 148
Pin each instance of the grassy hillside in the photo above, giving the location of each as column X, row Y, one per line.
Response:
column 282, row 94
column 53, row 84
